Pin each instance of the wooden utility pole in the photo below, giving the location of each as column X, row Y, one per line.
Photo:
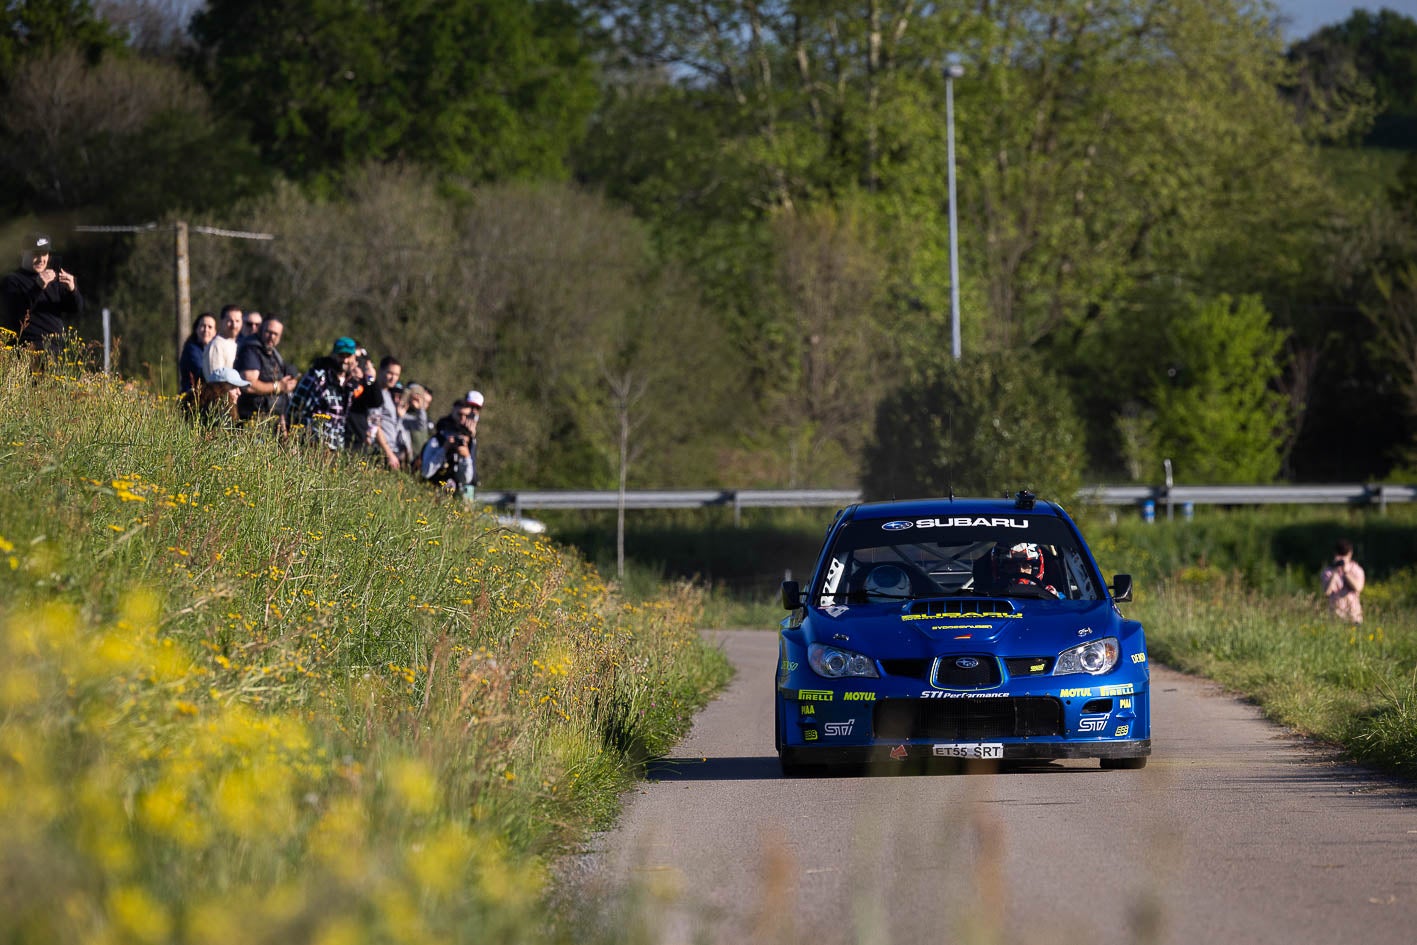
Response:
column 183, row 280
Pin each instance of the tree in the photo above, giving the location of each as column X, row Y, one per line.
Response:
column 479, row 89
column 986, row 423
column 122, row 138
column 1110, row 154
column 1394, row 320
column 38, row 27
column 1218, row 415
column 1380, row 49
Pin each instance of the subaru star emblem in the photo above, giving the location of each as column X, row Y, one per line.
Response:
column 966, row 662
column 898, row 526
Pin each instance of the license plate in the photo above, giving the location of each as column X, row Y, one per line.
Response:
column 970, row 750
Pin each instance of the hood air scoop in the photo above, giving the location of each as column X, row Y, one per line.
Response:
column 961, row 607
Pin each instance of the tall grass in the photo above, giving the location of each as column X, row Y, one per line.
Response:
column 1352, row 686
column 248, row 694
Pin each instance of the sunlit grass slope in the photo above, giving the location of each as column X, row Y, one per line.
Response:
column 246, row 697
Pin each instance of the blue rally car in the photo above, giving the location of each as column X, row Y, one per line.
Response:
column 959, row 628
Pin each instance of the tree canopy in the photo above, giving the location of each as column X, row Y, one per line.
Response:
column 480, row 89
column 616, row 216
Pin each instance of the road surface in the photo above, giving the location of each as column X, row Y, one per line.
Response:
column 1236, row 832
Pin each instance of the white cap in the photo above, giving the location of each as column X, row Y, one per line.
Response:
column 473, row 397
column 228, row 375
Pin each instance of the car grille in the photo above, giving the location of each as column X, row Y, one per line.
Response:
column 966, row 672
column 968, row 719
column 913, row 669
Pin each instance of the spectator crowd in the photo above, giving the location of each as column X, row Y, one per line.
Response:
column 231, row 372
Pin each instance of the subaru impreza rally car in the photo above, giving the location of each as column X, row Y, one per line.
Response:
column 959, row 628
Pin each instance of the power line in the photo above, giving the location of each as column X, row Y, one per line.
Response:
column 180, row 260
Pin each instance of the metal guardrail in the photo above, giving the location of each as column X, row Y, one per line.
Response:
column 738, row 499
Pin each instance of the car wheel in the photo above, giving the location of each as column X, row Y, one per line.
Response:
column 1123, row 764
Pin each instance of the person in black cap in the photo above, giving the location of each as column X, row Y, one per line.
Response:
column 37, row 298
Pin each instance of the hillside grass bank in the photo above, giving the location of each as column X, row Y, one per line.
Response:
column 250, row 695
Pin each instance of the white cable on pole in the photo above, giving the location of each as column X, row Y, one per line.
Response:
column 236, row 234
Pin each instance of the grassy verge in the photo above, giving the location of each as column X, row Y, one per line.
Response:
column 246, row 696
column 1350, row 686
column 1234, row 596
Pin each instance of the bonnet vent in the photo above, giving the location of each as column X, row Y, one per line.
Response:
column 962, row 607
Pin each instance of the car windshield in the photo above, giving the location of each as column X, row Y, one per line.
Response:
column 1019, row 556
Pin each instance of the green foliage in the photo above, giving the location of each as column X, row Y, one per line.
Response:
column 478, row 89
column 1219, row 418
column 538, row 295
column 1380, row 50
column 1394, row 320
column 979, row 426
column 376, row 711
column 31, row 28
column 131, row 140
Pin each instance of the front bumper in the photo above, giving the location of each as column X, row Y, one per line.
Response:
column 917, row 751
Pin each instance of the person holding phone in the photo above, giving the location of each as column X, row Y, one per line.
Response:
column 1343, row 582
column 38, row 298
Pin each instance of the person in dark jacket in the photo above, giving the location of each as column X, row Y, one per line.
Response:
column 190, row 365
column 36, row 298
column 260, row 363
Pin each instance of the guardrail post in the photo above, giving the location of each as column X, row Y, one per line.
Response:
column 517, row 505
column 737, row 511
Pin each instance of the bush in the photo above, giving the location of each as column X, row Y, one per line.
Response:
column 982, row 425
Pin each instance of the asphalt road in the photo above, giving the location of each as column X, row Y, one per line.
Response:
column 1235, row 832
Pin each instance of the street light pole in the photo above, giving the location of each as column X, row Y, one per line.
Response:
column 953, row 71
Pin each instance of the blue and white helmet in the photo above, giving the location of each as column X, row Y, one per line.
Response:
column 887, row 582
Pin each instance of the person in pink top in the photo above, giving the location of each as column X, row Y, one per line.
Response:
column 1343, row 581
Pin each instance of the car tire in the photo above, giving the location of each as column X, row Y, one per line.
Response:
column 1123, row 764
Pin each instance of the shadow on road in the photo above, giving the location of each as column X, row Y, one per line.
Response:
column 765, row 768
column 751, row 768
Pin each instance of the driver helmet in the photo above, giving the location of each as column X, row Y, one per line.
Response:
column 1023, row 560
column 887, row 582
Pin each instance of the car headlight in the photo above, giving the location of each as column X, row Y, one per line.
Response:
column 1096, row 657
column 833, row 662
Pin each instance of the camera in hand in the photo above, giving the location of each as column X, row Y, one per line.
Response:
column 457, row 440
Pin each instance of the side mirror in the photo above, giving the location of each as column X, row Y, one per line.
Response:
column 1121, row 587
column 791, row 595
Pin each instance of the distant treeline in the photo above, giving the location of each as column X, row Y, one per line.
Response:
column 707, row 242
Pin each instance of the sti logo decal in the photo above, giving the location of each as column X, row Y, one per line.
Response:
column 1095, row 723
column 897, row 526
column 839, row 728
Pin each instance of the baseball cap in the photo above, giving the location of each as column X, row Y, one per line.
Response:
column 38, row 243
column 473, row 397
column 228, row 375
column 345, row 346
